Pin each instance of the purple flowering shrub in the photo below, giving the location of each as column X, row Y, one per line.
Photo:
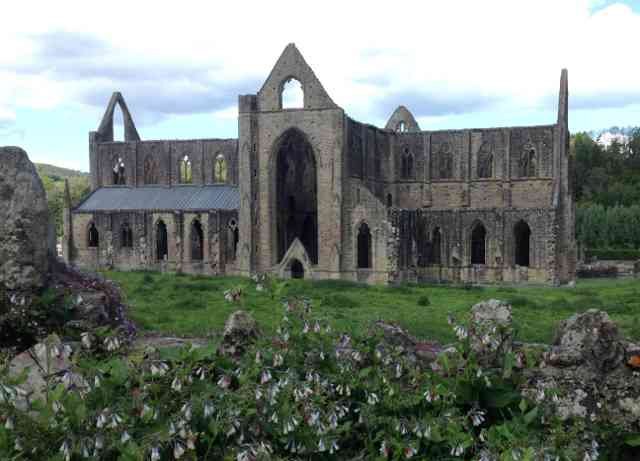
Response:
column 306, row 393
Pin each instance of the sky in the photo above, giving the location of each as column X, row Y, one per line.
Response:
column 181, row 65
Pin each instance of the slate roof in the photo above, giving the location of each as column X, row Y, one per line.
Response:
column 151, row 198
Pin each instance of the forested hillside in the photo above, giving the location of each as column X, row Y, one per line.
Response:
column 53, row 179
column 607, row 186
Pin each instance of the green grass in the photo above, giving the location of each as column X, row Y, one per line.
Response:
column 195, row 305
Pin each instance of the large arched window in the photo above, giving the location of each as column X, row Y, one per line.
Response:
column 186, row 176
column 197, row 241
column 292, row 96
column 162, row 248
column 401, row 127
column 444, row 162
column 522, row 237
column 126, row 236
column 150, row 170
column 364, row 246
column 93, row 237
column 220, row 169
column 478, row 244
column 436, row 246
column 119, row 176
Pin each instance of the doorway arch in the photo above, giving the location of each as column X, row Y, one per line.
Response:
column 522, row 237
column 297, row 269
column 296, row 200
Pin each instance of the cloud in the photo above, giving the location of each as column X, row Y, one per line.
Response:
column 428, row 104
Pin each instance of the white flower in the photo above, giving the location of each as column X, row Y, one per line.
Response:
column 65, row 449
column 9, row 424
column 176, row 385
column 159, row 369
column 461, row 332
column 86, row 340
column 125, row 437
column 457, row 450
column 99, row 442
column 265, row 377
column 334, row 447
column 17, row 445
column 96, row 381
column 259, row 287
column 155, row 454
column 431, row 396
column 208, row 409
column 477, row 417
column 321, row 446
column 186, row 411
column 372, row 398
column 102, row 420
column 278, row 360
column 224, row 382
column 398, row 370
column 384, row 449
column 112, row 343
column 178, row 450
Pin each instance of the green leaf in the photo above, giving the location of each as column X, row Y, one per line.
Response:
column 365, row 372
column 632, row 440
column 523, row 405
column 531, row 416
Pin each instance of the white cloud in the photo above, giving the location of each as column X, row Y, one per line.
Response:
column 196, row 56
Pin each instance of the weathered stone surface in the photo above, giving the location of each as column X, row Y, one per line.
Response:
column 240, row 330
column 589, row 365
column 491, row 330
column 24, row 222
column 397, row 337
column 45, row 364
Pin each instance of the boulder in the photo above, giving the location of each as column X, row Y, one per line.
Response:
column 240, row 331
column 592, row 371
column 393, row 335
column 24, row 223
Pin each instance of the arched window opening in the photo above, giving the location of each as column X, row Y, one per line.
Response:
column 93, row 238
column 401, row 127
column 197, row 241
column 162, row 248
column 118, row 124
column 297, row 269
column 126, row 236
column 150, row 171
column 485, row 161
column 119, row 177
column 186, row 176
column 409, row 172
column 478, row 244
column 220, row 169
column 522, row 236
column 436, row 246
column 233, row 239
column 292, row 96
column 296, row 200
column 364, row 246
column 444, row 159
column 528, row 163
column 389, row 200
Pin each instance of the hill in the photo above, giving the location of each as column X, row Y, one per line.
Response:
column 53, row 178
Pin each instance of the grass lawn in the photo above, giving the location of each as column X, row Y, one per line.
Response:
column 195, row 306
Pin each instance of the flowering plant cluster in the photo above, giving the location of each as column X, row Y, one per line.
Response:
column 306, row 393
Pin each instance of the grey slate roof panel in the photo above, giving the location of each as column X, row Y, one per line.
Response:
column 183, row 198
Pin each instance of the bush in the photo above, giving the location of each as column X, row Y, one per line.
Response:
column 338, row 300
column 424, row 301
column 619, row 254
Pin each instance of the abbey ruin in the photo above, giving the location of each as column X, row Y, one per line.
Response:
column 309, row 192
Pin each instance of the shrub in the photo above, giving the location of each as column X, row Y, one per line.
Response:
column 424, row 301
column 308, row 393
column 339, row 300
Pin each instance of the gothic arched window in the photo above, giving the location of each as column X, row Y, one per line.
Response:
column 522, row 237
column 292, row 95
column 364, row 246
column 186, row 176
column 162, row 247
column 220, row 169
column 478, row 244
column 197, row 241
column 93, row 237
column 126, row 236
column 150, row 171
column 119, row 177
column 528, row 162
